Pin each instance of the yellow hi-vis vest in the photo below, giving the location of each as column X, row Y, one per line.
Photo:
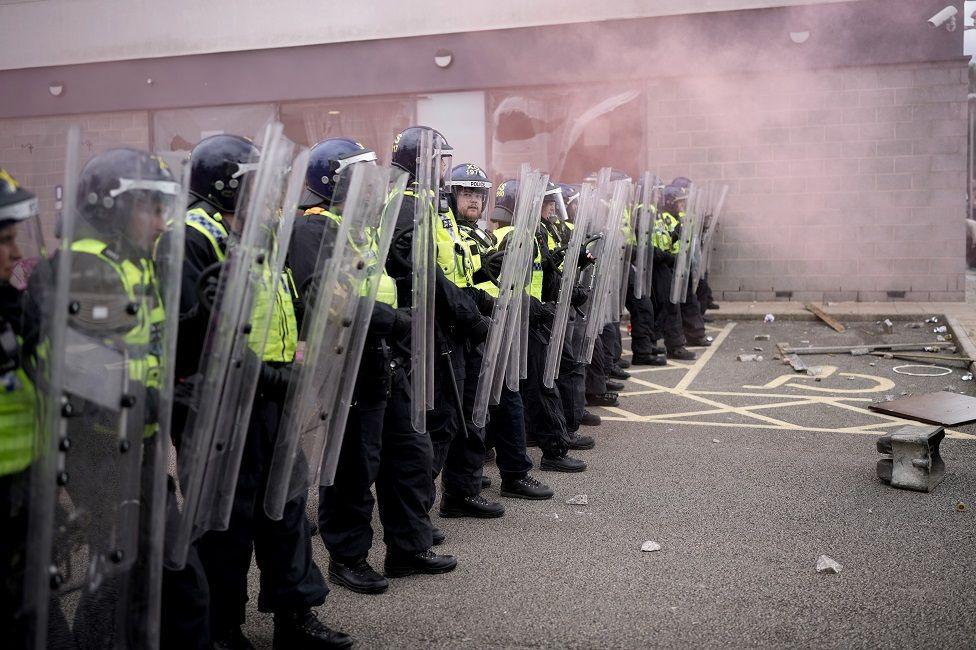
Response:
column 453, row 255
column 279, row 333
column 474, row 246
column 535, row 287
column 17, row 411
column 663, row 235
column 386, row 292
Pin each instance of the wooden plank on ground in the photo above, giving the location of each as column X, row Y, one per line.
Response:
column 846, row 349
column 822, row 315
column 945, row 408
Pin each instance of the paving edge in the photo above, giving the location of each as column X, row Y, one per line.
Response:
column 960, row 336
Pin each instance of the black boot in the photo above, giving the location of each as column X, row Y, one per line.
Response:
column 231, row 638
column 590, row 420
column 623, row 363
column 472, row 506
column 562, row 464
column 615, row 385
column 400, row 566
column 526, row 488
column 682, row 354
column 702, row 342
column 438, row 536
column 712, row 305
column 485, row 482
column 576, row 441
column 602, row 399
column 617, row 373
column 302, row 630
column 357, row 576
column 650, row 360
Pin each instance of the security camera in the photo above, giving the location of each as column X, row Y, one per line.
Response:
column 945, row 17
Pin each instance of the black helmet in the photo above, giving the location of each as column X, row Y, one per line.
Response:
column 468, row 176
column 673, row 194
column 406, row 148
column 112, row 182
column 218, row 163
column 570, row 193
column 16, row 203
column 505, row 197
column 682, row 182
column 324, row 181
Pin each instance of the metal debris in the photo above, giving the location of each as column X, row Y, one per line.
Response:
column 650, row 546
column 940, row 330
column 934, row 319
column 828, row 565
column 578, row 500
column 769, row 318
column 750, row 357
column 762, row 337
column 888, row 326
column 967, row 377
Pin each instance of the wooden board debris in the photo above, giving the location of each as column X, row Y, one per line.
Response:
column 944, row 408
column 847, row 349
column 822, row 315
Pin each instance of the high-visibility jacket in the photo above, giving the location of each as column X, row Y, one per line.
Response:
column 17, row 417
column 386, row 292
column 453, row 254
column 662, row 237
column 535, row 286
column 275, row 326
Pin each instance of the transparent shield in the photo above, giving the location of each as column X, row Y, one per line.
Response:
column 102, row 361
column 504, row 345
column 422, row 282
column 348, row 272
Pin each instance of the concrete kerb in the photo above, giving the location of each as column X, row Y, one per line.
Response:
column 960, row 336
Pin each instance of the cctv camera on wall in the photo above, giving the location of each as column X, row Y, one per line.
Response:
column 945, row 17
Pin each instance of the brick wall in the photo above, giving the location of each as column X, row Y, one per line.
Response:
column 33, row 149
column 846, row 184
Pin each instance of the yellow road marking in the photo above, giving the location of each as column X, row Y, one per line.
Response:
column 700, row 363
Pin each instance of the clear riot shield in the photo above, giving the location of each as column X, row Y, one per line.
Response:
column 566, row 285
column 609, row 213
column 423, row 270
column 104, row 358
column 691, row 224
column 502, row 356
column 713, row 203
column 209, row 441
column 646, row 198
column 338, row 309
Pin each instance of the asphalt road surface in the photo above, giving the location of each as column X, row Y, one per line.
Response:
column 744, row 473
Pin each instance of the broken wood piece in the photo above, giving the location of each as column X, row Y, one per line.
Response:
column 943, row 408
column 822, row 315
column 847, row 349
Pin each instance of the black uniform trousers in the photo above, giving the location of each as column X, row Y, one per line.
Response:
column 691, row 316
column 544, row 417
column 379, row 447
column 668, row 313
column 290, row 580
column 597, row 370
column 459, row 451
column 642, row 335
column 704, row 294
column 571, row 379
column 505, row 429
column 613, row 345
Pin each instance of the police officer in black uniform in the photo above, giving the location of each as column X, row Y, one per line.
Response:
column 291, row 583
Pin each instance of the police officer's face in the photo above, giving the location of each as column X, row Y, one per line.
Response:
column 548, row 210
column 680, row 204
column 147, row 222
column 470, row 204
column 9, row 252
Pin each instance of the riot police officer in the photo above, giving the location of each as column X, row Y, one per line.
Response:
column 378, row 445
column 505, row 429
column 291, row 584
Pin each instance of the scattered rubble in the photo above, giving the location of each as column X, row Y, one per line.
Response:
column 650, row 546
column 967, row 377
column 762, row 337
column 934, row 319
column 819, row 313
column 769, row 318
column 750, row 357
column 828, row 565
column 887, row 326
column 757, row 349
column 578, row 500
column 716, row 440
column 940, row 330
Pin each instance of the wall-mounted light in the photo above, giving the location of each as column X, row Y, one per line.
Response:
column 800, row 37
column 443, row 58
column 55, row 89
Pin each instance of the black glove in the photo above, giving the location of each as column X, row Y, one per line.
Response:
column 542, row 314
column 402, row 321
column 273, row 381
column 580, row 296
column 556, row 257
column 478, row 331
column 585, row 258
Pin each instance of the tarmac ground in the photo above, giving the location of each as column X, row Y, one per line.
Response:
column 744, row 472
